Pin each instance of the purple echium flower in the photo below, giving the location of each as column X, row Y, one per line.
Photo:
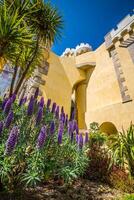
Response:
column 60, row 132
column 72, row 137
column 86, row 138
column 53, row 107
column 13, row 97
column 62, row 109
column 41, row 138
column 8, row 106
column 36, row 93
column 52, row 127
column 30, row 106
column 62, row 117
column 77, row 138
column 9, row 119
column 39, row 115
column 12, row 140
column 80, row 143
column 48, row 103
column 66, row 120
column 73, row 115
column 70, row 127
column 1, row 127
column 4, row 103
column 77, row 129
column 57, row 112
column 41, row 102
column 22, row 101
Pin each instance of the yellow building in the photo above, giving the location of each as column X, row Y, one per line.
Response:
column 98, row 84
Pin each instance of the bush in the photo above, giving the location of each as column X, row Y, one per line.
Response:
column 122, row 146
column 119, row 179
column 98, row 168
column 99, row 160
column 38, row 143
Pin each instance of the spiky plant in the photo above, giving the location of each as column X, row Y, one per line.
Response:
column 122, row 146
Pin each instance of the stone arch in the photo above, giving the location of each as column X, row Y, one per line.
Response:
column 108, row 128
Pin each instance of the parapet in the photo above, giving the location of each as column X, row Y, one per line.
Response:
column 124, row 26
column 78, row 50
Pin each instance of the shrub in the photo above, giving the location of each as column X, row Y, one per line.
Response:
column 39, row 143
column 98, row 168
column 119, row 179
column 122, row 146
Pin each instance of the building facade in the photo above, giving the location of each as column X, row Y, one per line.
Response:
column 98, row 85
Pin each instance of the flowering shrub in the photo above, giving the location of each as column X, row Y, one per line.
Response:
column 38, row 142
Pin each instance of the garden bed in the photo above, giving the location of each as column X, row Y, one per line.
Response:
column 81, row 189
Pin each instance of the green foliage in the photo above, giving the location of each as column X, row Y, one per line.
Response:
column 94, row 127
column 13, row 31
column 122, row 147
column 127, row 197
column 28, row 166
column 97, row 138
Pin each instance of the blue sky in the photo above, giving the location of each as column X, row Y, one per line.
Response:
column 89, row 21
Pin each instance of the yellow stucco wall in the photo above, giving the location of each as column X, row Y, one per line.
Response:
column 98, row 96
column 60, row 80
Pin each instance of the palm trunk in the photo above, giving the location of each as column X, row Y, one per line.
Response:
column 14, row 74
column 13, row 80
column 26, row 69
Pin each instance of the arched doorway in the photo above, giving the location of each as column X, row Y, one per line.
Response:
column 108, row 128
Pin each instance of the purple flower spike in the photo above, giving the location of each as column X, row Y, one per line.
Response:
column 13, row 98
column 9, row 119
column 41, row 138
column 73, row 115
column 77, row 129
column 4, row 103
column 52, row 127
column 53, row 107
column 60, row 132
column 36, row 93
column 70, row 127
column 77, row 138
column 1, row 127
column 57, row 112
column 48, row 103
column 30, row 106
column 41, row 102
column 72, row 137
column 8, row 106
column 62, row 109
column 25, row 99
column 12, row 140
column 39, row 115
column 62, row 117
column 22, row 101
column 86, row 138
column 80, row 143
column 66, row 120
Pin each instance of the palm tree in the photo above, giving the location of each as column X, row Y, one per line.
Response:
column 11, row 31
column 29, row 24
column 13, row 34
column 46, row 23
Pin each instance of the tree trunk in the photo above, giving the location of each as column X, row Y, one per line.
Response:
column 13, row 80
column 26, row 69
column 14, row 74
